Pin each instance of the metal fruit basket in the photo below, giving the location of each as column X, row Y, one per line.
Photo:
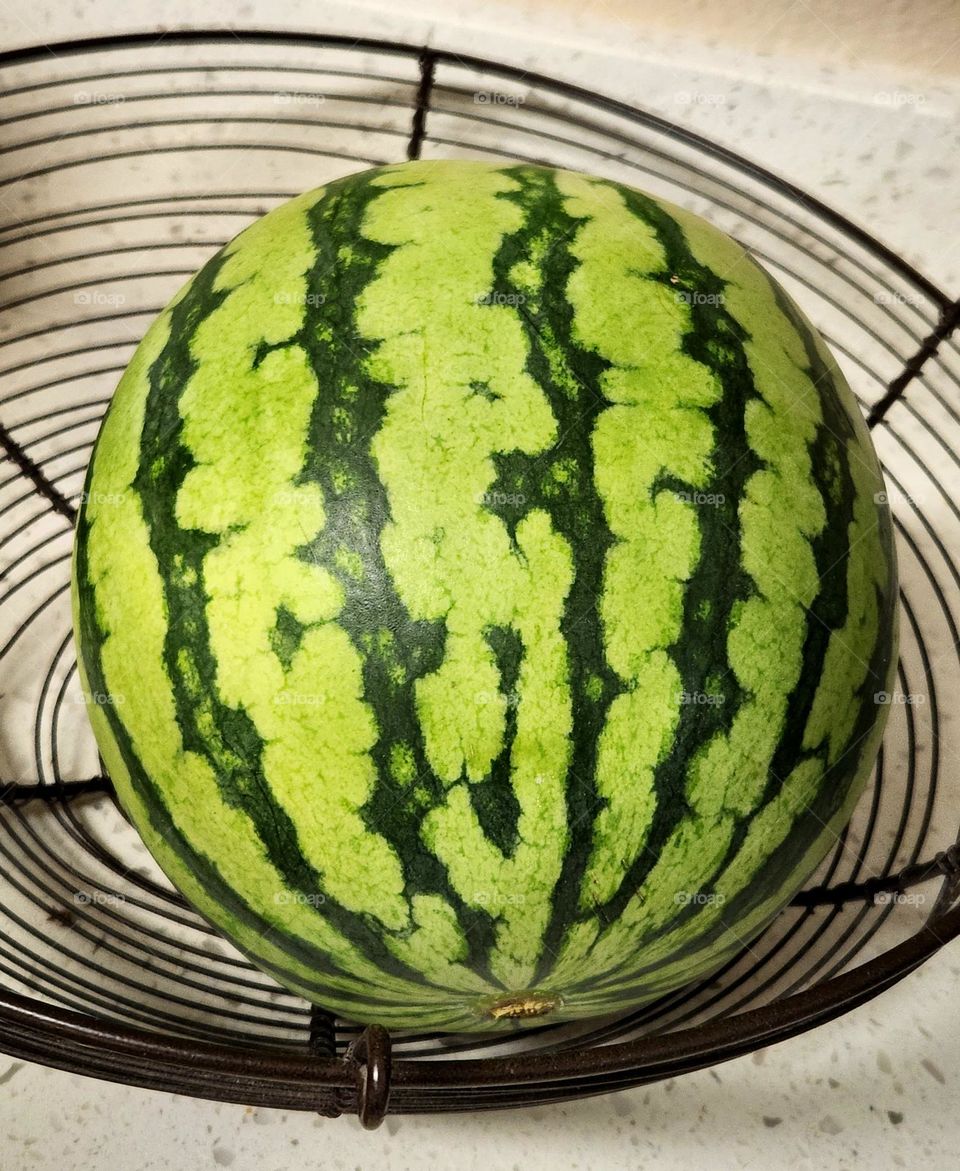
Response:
column 128, row 161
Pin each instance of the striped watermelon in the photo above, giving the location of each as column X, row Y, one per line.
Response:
column 486, row 579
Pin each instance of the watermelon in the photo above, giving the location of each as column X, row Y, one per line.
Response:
column 489, row 576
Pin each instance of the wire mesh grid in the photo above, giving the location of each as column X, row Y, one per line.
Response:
column 128, row 162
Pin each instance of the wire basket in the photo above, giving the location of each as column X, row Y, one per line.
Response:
column 128, row 162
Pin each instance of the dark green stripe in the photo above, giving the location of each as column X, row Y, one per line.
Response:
column 715, row 340
column 830, row 472
column 561, row 482
column 394, row 650
column 778, row 872
column 494, row 799
column 834, row 445
column 830, row 454
column 234, row 749
column 91, row 638
column 286, row 636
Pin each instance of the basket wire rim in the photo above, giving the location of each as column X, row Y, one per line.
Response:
column 55, row 1035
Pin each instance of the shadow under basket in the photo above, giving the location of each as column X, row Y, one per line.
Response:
column 129, row 161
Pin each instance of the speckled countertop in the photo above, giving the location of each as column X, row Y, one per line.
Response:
column 876, row 1089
